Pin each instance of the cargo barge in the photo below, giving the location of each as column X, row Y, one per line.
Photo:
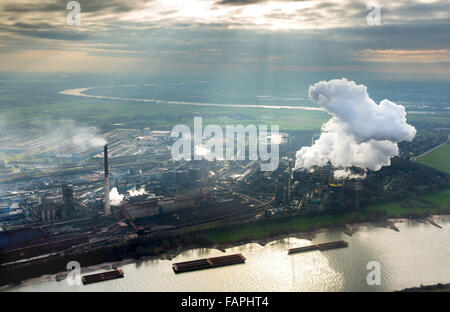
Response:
column 100, row 277
column 324, row 246
column 207, row 263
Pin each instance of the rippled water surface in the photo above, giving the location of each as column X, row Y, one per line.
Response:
column 418, row 254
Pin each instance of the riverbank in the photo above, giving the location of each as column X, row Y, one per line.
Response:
column 270, row 268
column 168, row 245
column 110, row 263
column 348, row 229
column 414, row 207
column 429, row 288
column 259, row 232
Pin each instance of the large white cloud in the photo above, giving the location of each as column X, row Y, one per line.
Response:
column 361, row 133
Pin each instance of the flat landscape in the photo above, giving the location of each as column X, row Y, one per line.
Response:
column 434, row 203
column 437, row 159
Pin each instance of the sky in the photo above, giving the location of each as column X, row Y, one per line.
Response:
column 206, row 36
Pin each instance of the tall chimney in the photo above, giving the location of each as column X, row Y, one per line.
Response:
column 107, row 202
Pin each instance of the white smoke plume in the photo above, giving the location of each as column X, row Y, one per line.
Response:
column 134, row 192
column 348, row 174
column 360, row 134
column 63, row 137
column 115, row 197
column 70, row 137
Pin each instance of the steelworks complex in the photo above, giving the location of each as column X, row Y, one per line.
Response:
column 131, row 189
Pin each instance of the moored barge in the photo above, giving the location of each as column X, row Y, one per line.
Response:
column 100, row 277
column 207, row 263
column 324, row 246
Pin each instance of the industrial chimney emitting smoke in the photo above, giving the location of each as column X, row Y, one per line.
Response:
column 107, row 201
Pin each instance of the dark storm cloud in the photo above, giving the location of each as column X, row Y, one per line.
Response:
column 224, row 33
column 43, row 31
column 418, row 9
column 47, row 20
column 424, row 35
column 245, row 2
column 88, row 6
column 54, row 35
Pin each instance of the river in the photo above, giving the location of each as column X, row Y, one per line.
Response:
column 80, row 92
column 418, row 254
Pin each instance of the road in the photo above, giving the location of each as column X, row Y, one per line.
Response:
column 434, row 148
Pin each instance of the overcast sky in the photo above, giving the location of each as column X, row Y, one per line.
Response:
column 209, row 35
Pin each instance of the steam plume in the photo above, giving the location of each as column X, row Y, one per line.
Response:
column 63, row 138
column 115, row 197
column 361, row 133
column 134, row 192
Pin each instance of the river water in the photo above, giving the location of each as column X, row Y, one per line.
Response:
column 79, row 92
column 418, row 254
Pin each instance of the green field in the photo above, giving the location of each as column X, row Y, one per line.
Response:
column 157, row 116
column 438, row 159
column 105, row 113
column 26, row 108
column 434, row 203
column 439, row 120
column 274, row 227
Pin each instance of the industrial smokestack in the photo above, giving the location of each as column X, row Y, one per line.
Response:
column 107, row 201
